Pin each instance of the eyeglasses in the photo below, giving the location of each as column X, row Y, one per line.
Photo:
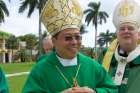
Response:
column 75, row 37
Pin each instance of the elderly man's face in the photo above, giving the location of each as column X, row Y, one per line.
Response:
column 67, row 43
column 127, row 35
column 47, row 45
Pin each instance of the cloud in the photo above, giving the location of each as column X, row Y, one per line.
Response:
column 19, row 24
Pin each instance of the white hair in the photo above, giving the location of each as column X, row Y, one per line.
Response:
column 47, row 37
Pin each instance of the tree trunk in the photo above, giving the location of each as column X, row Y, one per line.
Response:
column 31, row 55
column 12, row 56
column 95, row 41
column 106, row 44
column 40, row 35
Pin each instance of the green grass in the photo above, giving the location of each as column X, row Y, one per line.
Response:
column 17, row 67
column 16, row 83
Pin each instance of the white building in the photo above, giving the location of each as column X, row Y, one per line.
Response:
column 5, row 54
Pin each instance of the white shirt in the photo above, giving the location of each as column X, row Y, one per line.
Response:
column 67, row 62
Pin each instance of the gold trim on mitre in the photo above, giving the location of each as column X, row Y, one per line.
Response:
column 127, row 11
column 58, row 15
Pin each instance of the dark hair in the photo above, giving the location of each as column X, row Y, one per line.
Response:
column 55, row 35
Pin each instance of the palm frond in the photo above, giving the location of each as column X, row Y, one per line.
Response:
column 104, row 13
column 95, row 6
column 3, row 11
column 1, row 16
column 41, row 4
column 101, row 18
column 89, row 17
column 83, row 29
column 23, row 6
column 31, row 4
column 88, row 11
column 4, row 8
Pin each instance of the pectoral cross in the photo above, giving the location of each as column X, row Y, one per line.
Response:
column 75, row 83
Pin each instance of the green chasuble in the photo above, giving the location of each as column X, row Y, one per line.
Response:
column 131, row 78
column 3, row 83
column 45, row 77
column 134, row 76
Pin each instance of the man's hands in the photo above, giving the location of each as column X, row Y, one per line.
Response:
column 79, row 90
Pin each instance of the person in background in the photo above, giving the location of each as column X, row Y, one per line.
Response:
column 65, row 70
column 122, row 59
column 47, row 47
column 3, row 83
column 47, row 44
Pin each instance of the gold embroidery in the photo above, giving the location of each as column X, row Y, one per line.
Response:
column 126, row 9
column 75, row 82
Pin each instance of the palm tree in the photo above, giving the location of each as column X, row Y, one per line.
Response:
column 83, row 29
column 33, row 4
column 101, row 41
column 114, row 36
column 108, row 37
column 3, row 11
column 95, row 15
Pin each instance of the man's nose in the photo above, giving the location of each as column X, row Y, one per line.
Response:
column 74, row 41
column 126, row 29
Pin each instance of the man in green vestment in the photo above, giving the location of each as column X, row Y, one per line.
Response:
column 122, row 59
column 3, row 83
column 64, row 69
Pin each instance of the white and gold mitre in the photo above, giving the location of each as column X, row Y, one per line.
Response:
column 58, row 15
column 127, row 11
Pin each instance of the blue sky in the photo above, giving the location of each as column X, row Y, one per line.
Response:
column 19, row 24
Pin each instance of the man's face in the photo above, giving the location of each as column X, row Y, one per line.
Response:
column 67, row 43
column 47, row 45
column 127, row 35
